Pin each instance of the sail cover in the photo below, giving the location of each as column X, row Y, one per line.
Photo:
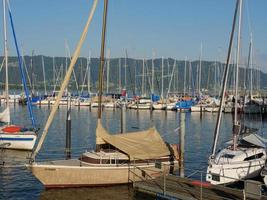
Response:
column 5, row 116
column 255, row 140
column 146, row 144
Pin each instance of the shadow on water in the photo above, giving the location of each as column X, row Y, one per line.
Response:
column 122, row 192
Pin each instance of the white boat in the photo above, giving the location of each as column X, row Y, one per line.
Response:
column 140, row 106
column 159, row 106
column 171, row 106
column 82, row 102
column 111, row 105
column 212, row 108
column 245, row 156
column 245, row 162
column 13, row 136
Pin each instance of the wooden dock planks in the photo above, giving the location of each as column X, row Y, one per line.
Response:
column 186, row 189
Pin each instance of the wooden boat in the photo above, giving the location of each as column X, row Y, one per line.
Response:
column 116, row 156
column 110, row 166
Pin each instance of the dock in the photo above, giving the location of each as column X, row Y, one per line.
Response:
column 175, row 187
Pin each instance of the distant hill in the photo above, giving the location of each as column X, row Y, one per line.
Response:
column 210, row 75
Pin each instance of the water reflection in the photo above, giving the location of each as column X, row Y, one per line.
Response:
column 123, row 192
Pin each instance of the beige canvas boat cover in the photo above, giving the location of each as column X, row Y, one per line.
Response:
column 137, row 145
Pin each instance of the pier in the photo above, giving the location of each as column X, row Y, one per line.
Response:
column 175, row 187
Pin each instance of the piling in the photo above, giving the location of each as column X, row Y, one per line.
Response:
column 181, row 143
column 68, row 131
column 121, row 119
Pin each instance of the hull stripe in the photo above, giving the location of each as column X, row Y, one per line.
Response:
column 16, row 139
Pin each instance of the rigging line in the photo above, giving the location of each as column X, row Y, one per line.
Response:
column 66, row 80
column 22, row 70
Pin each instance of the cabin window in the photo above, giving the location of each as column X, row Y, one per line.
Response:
column 228, row 156
column 259, row 155
column 216, row 177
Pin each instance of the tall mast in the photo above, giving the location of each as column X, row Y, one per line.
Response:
column 224, row 84
column 125, row 66
column 251, row 65
column 185, row 62
column 199, row 75
column 54, row 74
column 143, row 77
column 6, row 53
column 102, row 58
column 89, row 73
column 162, row 64
column 44, row 74
column 108, row 63
column 237, row 60
column 119, row 75
column 153, row 71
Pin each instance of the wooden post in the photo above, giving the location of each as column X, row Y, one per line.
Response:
column 121, row 119
column 68, row 131
column 182, row 138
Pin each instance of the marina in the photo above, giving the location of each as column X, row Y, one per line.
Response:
column 198, row 139
column 123, row 127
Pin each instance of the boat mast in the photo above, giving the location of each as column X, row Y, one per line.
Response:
column 153, row 71
column 185, row 62
column 225, row 78
column 108, row 65
column 44, row 74
column 89, row 73
column 162, row 64
column 6, row 54
column 143, row 77
column 102, row 58
column 251, row 65
column 236, row 123
column 119, row 75
column 199, row 74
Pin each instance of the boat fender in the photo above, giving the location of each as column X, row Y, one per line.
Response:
column 201, row 184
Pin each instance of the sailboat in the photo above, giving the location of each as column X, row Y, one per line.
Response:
column 115, row 157
column 245, row 155
column 14, row 136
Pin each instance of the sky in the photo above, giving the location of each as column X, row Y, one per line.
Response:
column 146, row 28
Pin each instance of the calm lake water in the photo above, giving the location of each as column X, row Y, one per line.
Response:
column 18, row 183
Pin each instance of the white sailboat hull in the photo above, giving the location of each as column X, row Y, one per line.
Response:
column 159, row 106
column 230, row 173
column 212, row 109
column 75, row 173
column 18, row 141
column 245, row 163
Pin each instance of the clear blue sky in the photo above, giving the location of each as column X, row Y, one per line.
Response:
column 173, row 28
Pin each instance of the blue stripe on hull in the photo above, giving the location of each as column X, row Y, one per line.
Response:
column 16, row 139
